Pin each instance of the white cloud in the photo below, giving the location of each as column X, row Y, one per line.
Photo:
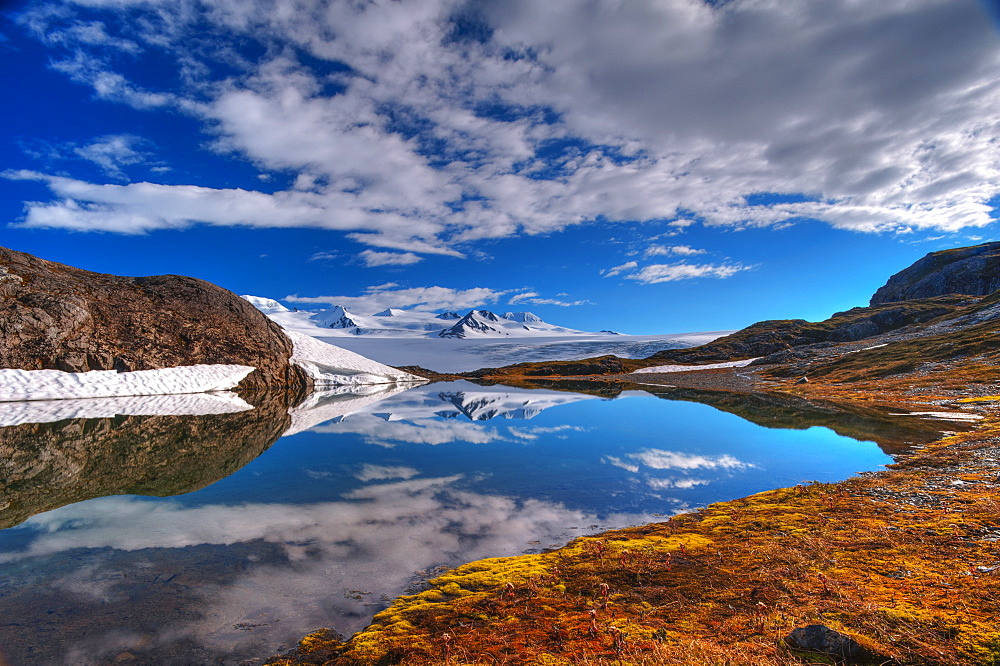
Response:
column 372, row 258
column 426, row 299
column 882, row 114
column 371, row 472
column 516, row 298
column 682, row 483
column 534, row 298
column 656, row 273
column 557, row 302
column 112, row 152
column 618, row 270
column 661, row 459
column 672, row 250
column 430, row 431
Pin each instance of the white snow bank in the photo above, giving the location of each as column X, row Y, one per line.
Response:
column 944, row 416
column 18, row 385
column 690, row 368
column 192, row 404
column 327, row 364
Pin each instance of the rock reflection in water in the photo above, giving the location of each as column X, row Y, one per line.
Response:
column 48, row 465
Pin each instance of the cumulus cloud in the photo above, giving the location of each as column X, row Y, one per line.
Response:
column 416, row 137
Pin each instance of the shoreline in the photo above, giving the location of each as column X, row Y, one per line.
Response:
column 905, row 562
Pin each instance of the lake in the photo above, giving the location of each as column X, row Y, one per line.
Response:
column 218, row 538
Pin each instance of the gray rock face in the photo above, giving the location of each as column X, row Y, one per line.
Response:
column 54, row 316
column 966, row 270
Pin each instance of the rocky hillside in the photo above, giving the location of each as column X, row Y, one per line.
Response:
column 774, row 336
column 964, row 270
column 65, row 318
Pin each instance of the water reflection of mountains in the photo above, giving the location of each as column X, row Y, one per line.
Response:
column 48, row 465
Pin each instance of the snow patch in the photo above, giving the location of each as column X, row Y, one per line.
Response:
column 20, row 385
column 691, row 368
column 327, row 364
column 944, row 416
column 265, row 305
column 191, row 404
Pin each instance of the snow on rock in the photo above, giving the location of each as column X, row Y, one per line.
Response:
column 265, row 305
column 327, row 364
column 691, row 368
column 523, row 317
column 191, row 404
column 17, row 385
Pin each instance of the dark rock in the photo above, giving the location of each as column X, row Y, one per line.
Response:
column 966, row 270
column 823, row 640
column 59, row 317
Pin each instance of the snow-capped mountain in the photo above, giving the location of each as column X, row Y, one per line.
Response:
column 393, row 322
column 485, row 324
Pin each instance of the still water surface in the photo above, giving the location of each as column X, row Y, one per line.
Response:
column 359, row 500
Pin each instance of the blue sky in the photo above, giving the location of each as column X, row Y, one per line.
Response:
column 650, row 166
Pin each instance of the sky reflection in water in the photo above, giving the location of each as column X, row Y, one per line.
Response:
column 329, row 524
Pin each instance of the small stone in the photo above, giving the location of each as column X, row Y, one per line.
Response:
column 824, row 640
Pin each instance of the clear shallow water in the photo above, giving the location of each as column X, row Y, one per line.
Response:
column 327, row 525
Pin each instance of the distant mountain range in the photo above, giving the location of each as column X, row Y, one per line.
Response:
column 410, row 323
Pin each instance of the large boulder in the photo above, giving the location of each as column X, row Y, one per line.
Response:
column 974, row 271
column 58, row 317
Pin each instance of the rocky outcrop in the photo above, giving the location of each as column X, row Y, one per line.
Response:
column 64, row 318
column 974, row 271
